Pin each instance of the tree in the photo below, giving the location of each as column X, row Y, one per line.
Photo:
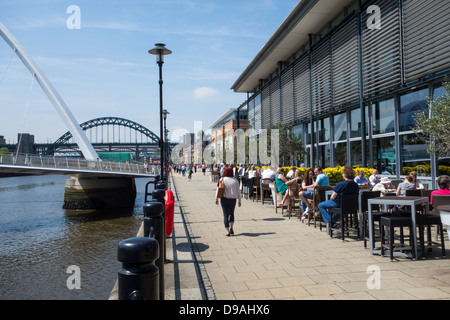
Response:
column 433, row 128
column 290, row 147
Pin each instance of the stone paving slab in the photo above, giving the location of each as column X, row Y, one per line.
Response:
column 273, row 257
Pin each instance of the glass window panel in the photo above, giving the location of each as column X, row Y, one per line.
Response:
column 355, row 123
column 438, row 92
column 340, row 154
column 308, row 157
column 356, row 154
column 308, row 133
column 383, row 117
column 251, row 114
column 298, row 131
column 324, row 130
column 443, row 166
column 410, row 104
column 414, row 155
column 340, row 127
column 324, row 156
column 367, row 120
column 384, row 154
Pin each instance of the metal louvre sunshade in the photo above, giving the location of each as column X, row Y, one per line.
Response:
column 426, row 37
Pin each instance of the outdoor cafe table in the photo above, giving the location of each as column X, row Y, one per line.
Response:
column 413, row 202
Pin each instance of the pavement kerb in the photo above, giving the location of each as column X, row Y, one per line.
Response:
column 204, row 281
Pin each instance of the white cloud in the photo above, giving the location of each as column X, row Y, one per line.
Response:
column 205, row 92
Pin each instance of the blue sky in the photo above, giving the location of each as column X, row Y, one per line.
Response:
column 104, row 69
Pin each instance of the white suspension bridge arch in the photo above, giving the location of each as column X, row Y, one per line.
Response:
column 66, row 115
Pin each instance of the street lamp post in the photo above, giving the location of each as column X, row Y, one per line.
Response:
column 166, row 137
column 164, row 149
column 160, row 51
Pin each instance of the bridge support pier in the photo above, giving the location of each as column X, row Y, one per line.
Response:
column 85, row 193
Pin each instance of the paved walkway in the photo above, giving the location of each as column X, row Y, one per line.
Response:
column 272, row 257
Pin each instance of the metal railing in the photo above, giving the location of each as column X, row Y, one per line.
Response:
column 75, row 163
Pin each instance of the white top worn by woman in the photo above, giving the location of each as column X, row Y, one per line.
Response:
column 232, row 190
column 252, row 173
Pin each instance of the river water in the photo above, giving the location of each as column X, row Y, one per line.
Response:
column 39, row 241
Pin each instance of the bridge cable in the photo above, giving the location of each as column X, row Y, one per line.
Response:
column 26, row 114
column 7, row 67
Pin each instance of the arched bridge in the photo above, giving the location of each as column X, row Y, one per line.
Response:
column 108, row 134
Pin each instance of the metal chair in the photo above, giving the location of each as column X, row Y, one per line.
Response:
column 426, row 193
column 278, row 199
column 215, row 176
column 294, row 189
column 376, row 215
column 266, row 192
column 392, row 222
column 245, row 188
column 256, row 188
column 414, row 193
column 318, row 196
column 347, row 212
column 432, row 219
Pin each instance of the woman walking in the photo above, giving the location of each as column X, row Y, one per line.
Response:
column 228, row 200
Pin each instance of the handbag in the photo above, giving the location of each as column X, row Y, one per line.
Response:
column 220, row 189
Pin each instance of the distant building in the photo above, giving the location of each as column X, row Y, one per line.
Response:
column 25, row 143
column 2, row 140
column 223, row 131
column 188, row 139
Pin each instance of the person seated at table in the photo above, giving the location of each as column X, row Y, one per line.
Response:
column 304, row 194
column 296, row 181
column 282, row 187
column 417, row 182
column 375, row 177
column 297, row 177
column 291, row 173
column 360, row 179
column 347, row 186
column 385, row 185
column 295, row 184
column 444, row 187
column 407, row 184
column 322, row 180
column 269, row 173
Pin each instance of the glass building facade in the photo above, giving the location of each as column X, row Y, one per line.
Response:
column 351, row 91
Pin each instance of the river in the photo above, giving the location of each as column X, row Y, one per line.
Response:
column 40, row 241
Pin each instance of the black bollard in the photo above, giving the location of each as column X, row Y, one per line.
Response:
column 153, row 215
column 162, row 185
column 139, row 276
column 158, row 195
column 153, row 218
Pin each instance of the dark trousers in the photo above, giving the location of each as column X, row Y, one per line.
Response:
column 228, row 206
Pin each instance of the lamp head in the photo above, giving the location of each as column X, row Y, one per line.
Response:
column 159, row 51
